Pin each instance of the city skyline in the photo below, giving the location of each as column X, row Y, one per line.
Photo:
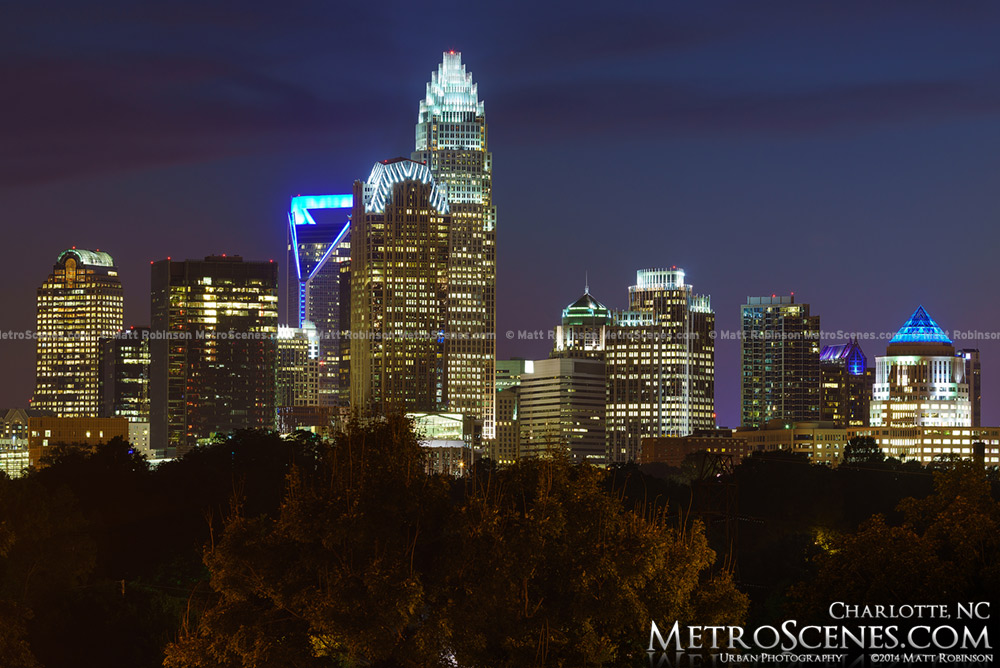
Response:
column 802, row 184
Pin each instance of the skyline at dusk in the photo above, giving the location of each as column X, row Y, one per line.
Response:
column 846, row 154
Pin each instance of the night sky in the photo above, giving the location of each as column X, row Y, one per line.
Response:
column 849, row 152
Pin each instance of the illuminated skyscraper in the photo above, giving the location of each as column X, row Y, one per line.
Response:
column 920, row 382
column 215, row 323
column 660, row 364
column 399, row 286
column 80, row 302
column 780, row 361
column 451, row 141
column 583, row 329
column 318, row 241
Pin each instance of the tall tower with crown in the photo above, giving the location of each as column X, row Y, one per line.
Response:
column 451, row 141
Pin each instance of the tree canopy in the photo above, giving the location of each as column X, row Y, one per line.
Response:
column 372, row 562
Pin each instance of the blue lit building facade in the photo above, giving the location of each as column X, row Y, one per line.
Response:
column 318, row 241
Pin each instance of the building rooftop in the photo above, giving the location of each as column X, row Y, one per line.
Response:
column 846, row 354
column 920, row 328
column 585, row 311
column 88, row 257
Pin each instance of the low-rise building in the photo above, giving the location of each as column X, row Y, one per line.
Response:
column 44, row 432
column 671, row 450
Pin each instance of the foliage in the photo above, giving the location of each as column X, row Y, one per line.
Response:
column 372, row 562
column 862, row 451
column 945, row 549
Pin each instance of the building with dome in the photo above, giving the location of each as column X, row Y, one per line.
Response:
column 78, row 304
column 583, row 330
column 920, row 381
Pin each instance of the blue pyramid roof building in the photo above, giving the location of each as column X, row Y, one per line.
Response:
column 920, row 328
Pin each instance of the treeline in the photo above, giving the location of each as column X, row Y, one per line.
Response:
column 265, row 551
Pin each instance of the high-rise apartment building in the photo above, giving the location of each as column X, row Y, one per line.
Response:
column 78, row 304
column 920, row 381
column 846, row 385
column 399, row 286
column 660, row 364
column 451, row 140
column 562, row 409
column 780, row 377
column 213, row 349
column 318, row 241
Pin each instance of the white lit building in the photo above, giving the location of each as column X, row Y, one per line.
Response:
column 660, row 357
column 920, row 382
column 451, row 140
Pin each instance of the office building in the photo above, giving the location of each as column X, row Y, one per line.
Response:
column 505, row 448
column 299, row 379
column 780, row 377
column 450, row 441
column 561, row 409
column 451, row 139
column 14, row 439
column 124, row 390
column 80, row 302
column 845, row 385
column 822, row 441
column 44, row 432
column 583, row 329
column 399, row 285
column 920, row 381
column 673, row 450
column 213, row 349
column 926, row 444
column 318, row 240
column 660, row 364
column 973, row 376
column 298, row 368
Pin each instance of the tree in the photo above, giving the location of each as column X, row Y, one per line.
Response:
column 945, row 550
column 862, row 451
column 337, row 577
column 545, row 567
column 372, row 562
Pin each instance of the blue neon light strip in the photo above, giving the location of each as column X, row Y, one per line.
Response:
column 295, row 246
column 336, row 242
column 301, row 205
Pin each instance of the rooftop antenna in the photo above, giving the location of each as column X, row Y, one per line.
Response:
column 586, row 283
